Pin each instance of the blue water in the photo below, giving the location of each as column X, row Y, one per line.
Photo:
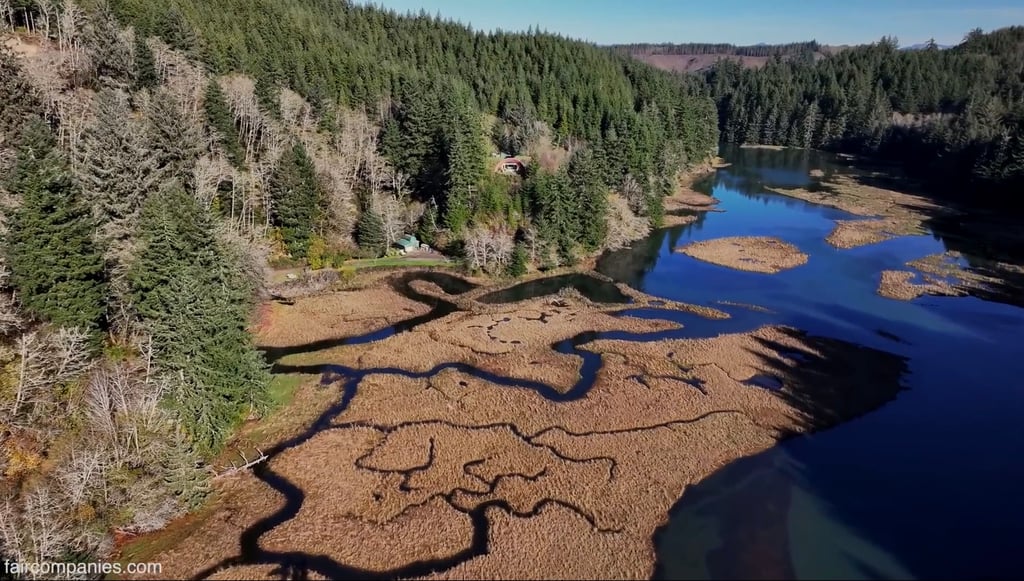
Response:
column 929, row 485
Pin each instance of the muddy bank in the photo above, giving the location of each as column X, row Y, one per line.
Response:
column 689, row 200
column 682, row 206
column 678, row 219
column 853, row 233
column 948, row 274
column 750, row 253
column 467, row 448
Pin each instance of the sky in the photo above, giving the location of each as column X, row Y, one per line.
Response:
column 739, row 22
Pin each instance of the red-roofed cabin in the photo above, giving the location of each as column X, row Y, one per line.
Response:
column 510, row 166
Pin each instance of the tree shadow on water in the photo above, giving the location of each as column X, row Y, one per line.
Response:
column 830, row 381
column 737, row 523
column 986, row 231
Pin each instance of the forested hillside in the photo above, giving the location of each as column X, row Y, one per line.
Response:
column 426, row 83
column 954, row 117
column 156, row 156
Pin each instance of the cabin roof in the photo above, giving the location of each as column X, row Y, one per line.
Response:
column 510, row 161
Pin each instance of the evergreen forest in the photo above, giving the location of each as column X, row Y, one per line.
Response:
column 953, row 117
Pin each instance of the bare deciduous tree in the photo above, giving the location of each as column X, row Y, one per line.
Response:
column 392, row 213
column 74, row 109
column 69, row 25
column 181, row 77
column 6, row 15
column 207, row 176
column 623, row 225
column 633, row 192
column 82, row 475
column 296, row 112
column 397, row 215
column 489, row 248
column 48, row 12
column 253, row 127
column 10, row 319
column 43, row 360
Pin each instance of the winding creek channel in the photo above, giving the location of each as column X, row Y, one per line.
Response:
column 926, row 486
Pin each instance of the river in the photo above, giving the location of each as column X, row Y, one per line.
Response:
column 927, row 486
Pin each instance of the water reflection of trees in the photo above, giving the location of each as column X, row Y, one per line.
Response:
column 630, row 265
column 754, row 169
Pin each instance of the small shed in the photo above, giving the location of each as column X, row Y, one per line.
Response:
column 408, row 243
column 511, row 166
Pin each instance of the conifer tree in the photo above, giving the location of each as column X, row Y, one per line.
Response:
column 267, row 95
column 464, row 163
column 176, row 144
column 370, row 231
column 296, row 197
column 175, row 29
column 19, row 102
column 411, row 140
column 426, row 230
column 219, row 116
column 55, row 266
column 518, row 262
column 110, row 53
column 585, row 183
column 145, row 65
column 195, row 305
column 117, row 171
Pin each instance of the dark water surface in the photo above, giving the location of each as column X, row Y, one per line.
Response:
column 927, row 486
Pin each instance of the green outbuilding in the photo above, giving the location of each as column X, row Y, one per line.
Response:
column 408, row 243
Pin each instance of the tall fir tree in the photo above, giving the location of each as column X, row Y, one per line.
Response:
column 370, row 231
column 463, row 161
column 175, row 143
column 195, row 305
column 110, row 54
column 518, row 262
column 175, row 29
column 426, row 230
column 19, row 102
column 55, row 265
column 222, row 122
column 145, row 65
column 117, row 171
column 268, row 95
column 296, row 198
column 593, row 199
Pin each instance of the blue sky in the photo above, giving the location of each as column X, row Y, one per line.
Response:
column 733, row 21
